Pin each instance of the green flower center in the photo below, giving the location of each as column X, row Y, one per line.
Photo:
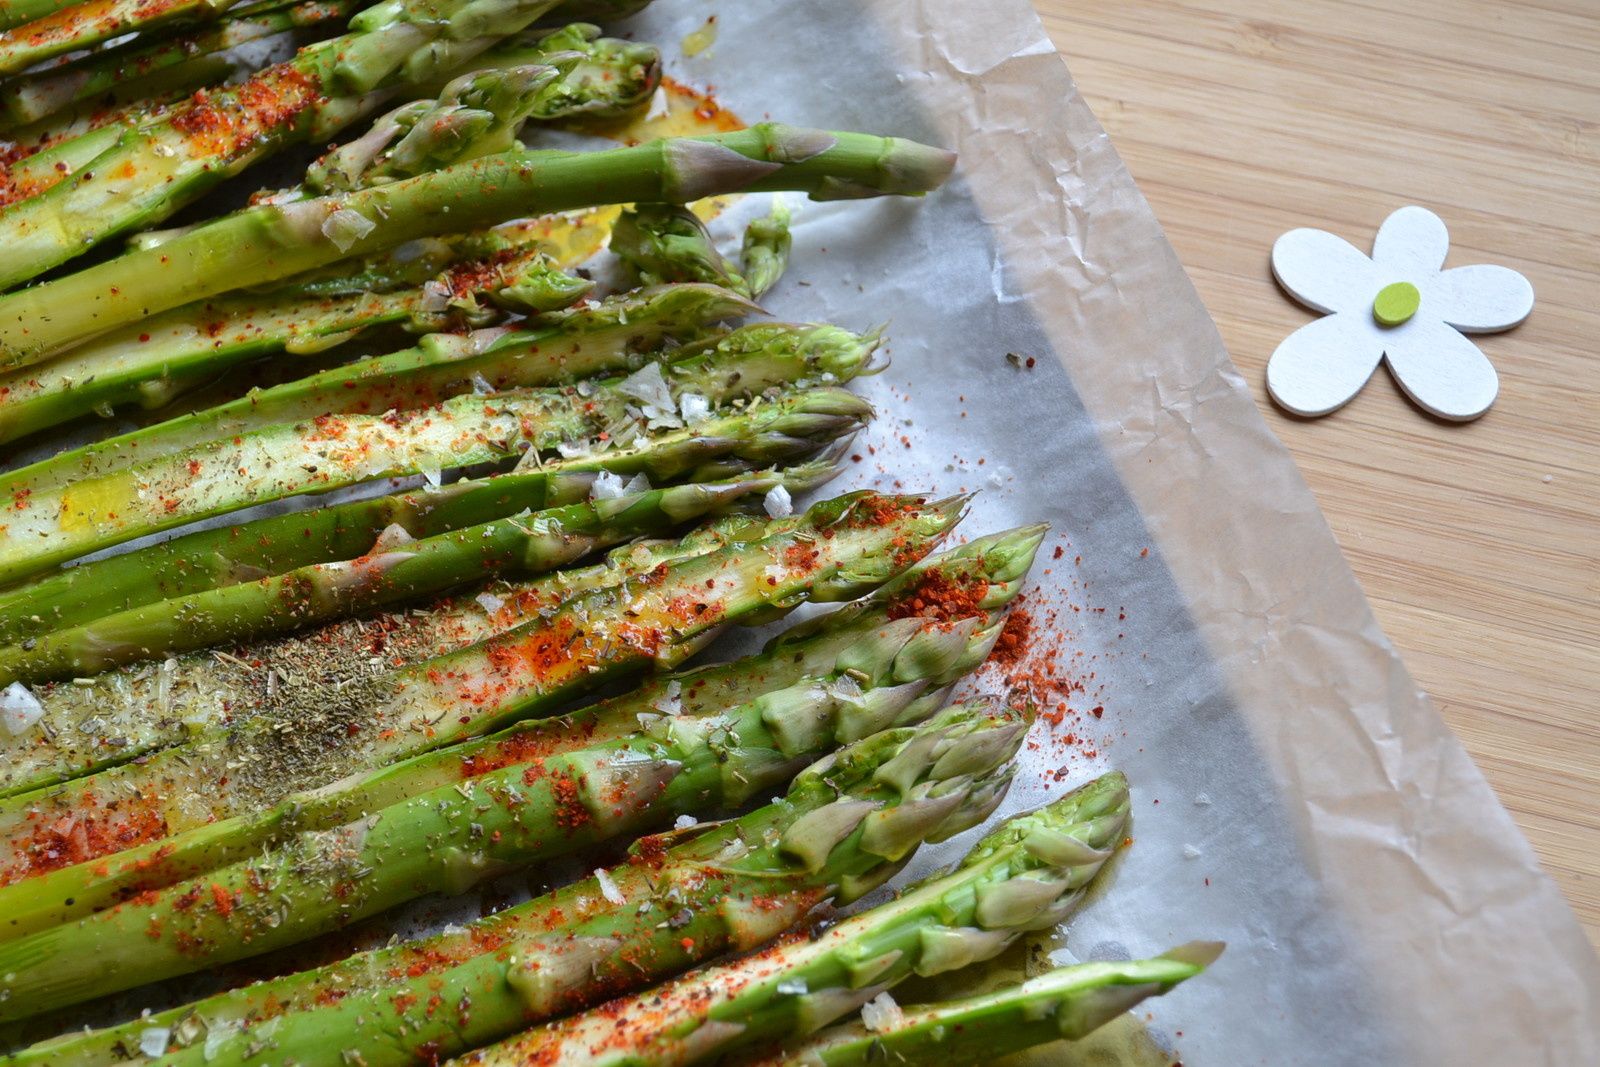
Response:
column 1396, row 303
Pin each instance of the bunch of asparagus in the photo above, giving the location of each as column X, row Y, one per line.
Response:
column 225, row 740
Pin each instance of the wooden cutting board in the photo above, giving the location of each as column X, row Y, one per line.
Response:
column 1478, row 544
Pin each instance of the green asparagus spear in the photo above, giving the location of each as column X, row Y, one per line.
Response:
column 617, row 335
column 1027, row 875
column 16, row 12
column 791, row 424
column 159, row 166
column 1064, row 1004
column 885, row 640
column 55, row 522
column 836, row 550
column 121, row 715
column 401, row 570
column 765, row 255
column 90, row 22
column 475, row 114
column 607, row 78
column 654, row 766
column 661, row 243
column 611, row 79
column 599, row 10
column 683, row 898
column 154, row 362
column 269, row 242
column 143, row 68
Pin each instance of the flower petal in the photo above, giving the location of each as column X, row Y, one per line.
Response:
column 1323, row 271
column 1441, row 370
column 1323, row 364
column 1411, row 244
column 1481, row 298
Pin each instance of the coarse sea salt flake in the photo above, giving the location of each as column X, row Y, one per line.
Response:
column 649, row 387
column 345, row 227
column 683, row 822
column 881, row 1014
column 694, row 408
column 607, row 486
column 153, row 1040
column 608, row 888
column 794, row 987
column 778, row 502
column 672, row 702
column 19, row 708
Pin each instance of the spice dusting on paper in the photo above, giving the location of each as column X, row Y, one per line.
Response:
column 1037, row 658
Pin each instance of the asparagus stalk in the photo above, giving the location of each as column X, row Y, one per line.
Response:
column 765, row 253
column 142, row 68
column 90, row 22
column 386, row 573
column 159, row 166
column 682, row 898
column 446, row 839
column 16, row 12
column 661, row 243
column 57, row 522
column 838, row 549
column 118, row 716
column 607, row 77
column 1027, row 875
column 269, row 242
column 475, row 114
column 881, row 643
column 1067, row 1003
column 156, row 361
column 792, row 424
column 601, row 10
column 617, row 335
column 611, row 78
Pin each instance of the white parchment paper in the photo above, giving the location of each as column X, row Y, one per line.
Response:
column 1295, row 794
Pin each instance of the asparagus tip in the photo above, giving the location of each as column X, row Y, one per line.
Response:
column 1198, row 954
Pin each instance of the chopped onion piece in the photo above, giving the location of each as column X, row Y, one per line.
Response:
column 881, row 1014
column 345, row 227
column 19, row 708
column 608, row 888
column 778, row 502
column 433, row 477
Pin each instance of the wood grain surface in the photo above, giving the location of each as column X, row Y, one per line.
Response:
column 1479, row 545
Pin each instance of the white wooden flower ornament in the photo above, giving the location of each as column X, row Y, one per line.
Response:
column 1399, row 306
